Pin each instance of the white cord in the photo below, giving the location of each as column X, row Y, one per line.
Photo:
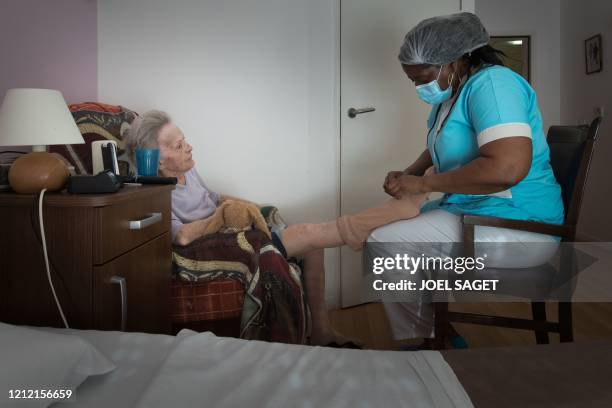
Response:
column 44, row 245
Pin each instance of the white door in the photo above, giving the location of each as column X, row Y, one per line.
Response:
column 392, row 136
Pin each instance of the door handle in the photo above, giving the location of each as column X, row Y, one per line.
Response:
column 141, row 224
column 120, row 280
column 352, row 112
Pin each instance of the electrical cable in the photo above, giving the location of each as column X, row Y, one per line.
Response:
column 44, row 244
column 34, row 225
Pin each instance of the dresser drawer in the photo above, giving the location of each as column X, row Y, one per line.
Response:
column 123, row 226
column 144, row 303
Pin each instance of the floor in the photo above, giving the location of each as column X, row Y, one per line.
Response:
column 368, row 324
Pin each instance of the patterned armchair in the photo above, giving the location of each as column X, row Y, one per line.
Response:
column 212, row 285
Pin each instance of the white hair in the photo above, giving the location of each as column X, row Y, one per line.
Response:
column 143, row 133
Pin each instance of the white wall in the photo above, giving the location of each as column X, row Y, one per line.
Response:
column 580, row 94
column 565, row 93
column 541, row 20
column 253, row 85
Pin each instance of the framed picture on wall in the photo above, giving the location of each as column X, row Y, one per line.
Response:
column 592, row 53
column 517, row 53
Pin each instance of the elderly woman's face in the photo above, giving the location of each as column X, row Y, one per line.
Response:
column 174, row 151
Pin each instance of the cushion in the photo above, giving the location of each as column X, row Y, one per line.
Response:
column 38, row 360
column 96, row 121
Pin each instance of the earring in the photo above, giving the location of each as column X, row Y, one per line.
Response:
column 450, row 79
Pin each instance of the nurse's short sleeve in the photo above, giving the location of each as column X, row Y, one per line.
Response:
column 499, row 106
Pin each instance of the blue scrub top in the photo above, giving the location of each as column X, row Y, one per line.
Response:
column 495, row 103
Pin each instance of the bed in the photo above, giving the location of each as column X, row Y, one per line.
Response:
column 201, row 369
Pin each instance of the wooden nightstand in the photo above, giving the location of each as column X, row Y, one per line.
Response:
column 96, row 253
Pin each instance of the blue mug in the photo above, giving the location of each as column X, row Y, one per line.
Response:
column 147, row 162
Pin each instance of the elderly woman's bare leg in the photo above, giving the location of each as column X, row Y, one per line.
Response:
column 308, row 240
column 314, row 279
column 300, row 239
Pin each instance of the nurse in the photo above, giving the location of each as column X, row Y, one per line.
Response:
column 487, row 143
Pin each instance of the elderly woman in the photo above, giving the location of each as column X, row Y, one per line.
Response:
column 487, row 144
column 193, row 204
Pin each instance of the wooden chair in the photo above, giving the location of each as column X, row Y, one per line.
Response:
column 571, row 149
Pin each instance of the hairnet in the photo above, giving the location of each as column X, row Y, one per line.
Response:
column 443, row 39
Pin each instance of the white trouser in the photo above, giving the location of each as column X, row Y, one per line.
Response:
column 415, row 319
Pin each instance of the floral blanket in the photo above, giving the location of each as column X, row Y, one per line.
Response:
column 275, row 307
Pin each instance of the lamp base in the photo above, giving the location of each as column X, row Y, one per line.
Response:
column 35, row 171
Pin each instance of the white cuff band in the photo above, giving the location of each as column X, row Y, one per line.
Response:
column 502, row 131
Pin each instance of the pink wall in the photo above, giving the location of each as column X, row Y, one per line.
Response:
column 50, row 44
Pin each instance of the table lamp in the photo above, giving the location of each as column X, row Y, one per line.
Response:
column 37, row 117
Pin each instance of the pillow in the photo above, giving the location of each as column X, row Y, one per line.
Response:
column 38, row 360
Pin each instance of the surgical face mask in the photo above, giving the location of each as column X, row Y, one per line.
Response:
column 431, row 92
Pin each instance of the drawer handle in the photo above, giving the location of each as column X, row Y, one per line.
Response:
column 119, row 280
column 142, row 224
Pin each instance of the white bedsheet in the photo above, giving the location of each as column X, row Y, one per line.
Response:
column 208, row 371
column 202, row 370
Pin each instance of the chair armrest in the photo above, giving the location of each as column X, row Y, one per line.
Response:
column 562, row 231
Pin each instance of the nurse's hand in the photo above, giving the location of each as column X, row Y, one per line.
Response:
column 405, row 184
column 392, row 175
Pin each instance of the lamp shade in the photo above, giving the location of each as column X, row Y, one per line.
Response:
column 36, row 117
